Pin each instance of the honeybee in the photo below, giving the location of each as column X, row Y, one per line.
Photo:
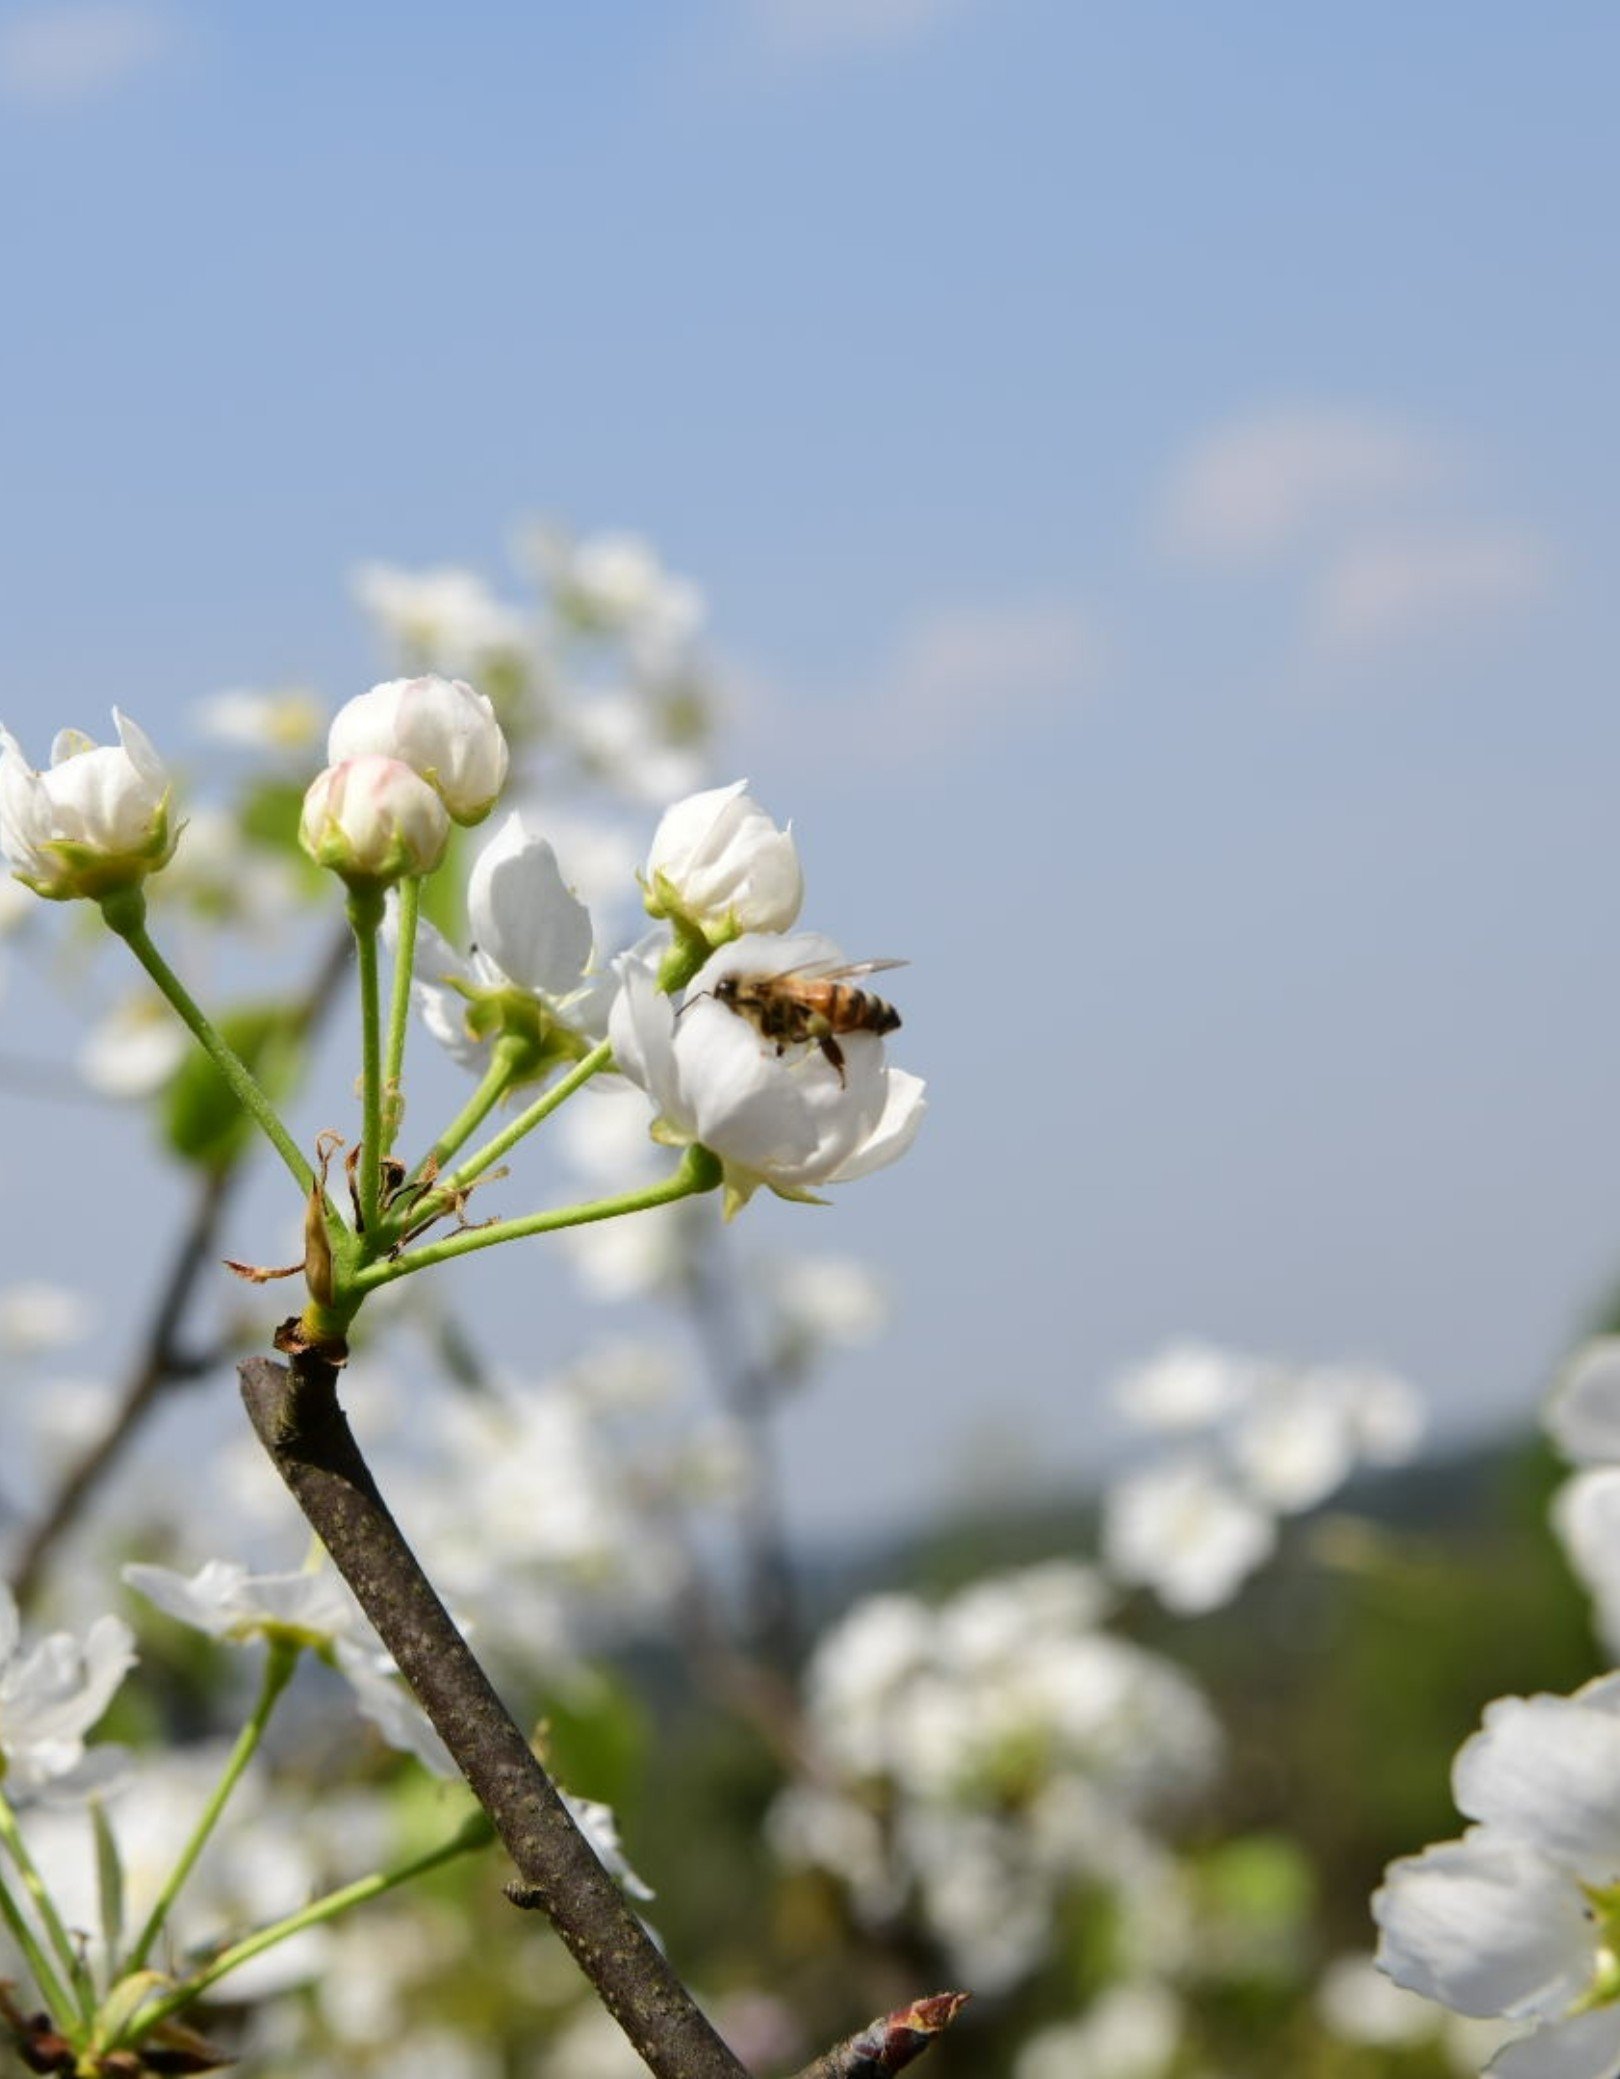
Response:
column 810, row 1005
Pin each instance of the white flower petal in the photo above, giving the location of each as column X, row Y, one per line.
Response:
column 1546, row 1770
column 1485, row 1925
column 1587, row 2047
column 1583, row 1412
column 523, row 915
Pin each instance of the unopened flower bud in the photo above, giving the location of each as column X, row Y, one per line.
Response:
column 719, row 865
column 95, row 823
column 441, row 728
column 373, row 821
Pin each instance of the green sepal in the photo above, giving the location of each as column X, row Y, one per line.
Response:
column 109, row 1878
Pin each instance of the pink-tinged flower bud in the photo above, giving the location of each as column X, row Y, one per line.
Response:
column 95, row 823
column 373, row 821
column 441, row 728
column 720, row 865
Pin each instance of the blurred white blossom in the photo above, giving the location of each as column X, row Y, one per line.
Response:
column 289, row 719
column 1128, row 2032
column 984, row 1754
column 36, row 1315
column 50, row 1697
column 134, row 1049
column 447, row 618
column 1181, row 1528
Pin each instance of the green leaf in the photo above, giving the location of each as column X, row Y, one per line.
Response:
column 109, row 1878
column 595, row 1740
column 200, row 1118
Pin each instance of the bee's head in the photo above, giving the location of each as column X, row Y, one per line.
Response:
column 725, row 990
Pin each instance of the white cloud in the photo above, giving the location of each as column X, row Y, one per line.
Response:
column 1392, row 587
column 840, row 28
column 961, row 666
column 953, row 676
column 60, row 55
column 1248, row 490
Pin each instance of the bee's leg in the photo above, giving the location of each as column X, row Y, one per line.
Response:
column 835, row 1054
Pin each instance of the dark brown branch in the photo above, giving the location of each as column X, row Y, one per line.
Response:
column 298, row 1420
column 162, row 1360
column 892, row 2043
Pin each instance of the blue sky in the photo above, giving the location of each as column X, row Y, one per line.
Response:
column 1153, row 469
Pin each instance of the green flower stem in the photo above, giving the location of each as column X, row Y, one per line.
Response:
column 126, row 915
column 63, row 2002
column 278, row 1668
column 599, row 1058
column 496, row 1081
column 443, row 1196
column 475, row 1834
column 365, row 914
column 399, row 1009
column 699, row 1172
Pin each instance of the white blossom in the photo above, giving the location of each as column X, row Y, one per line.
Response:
column 134, row 1050
column 258, row 1867
column 289, row 719
column 614, row 583
column 530, row 974
column 719, row 864
column 1128, row 2032
column 443, row 729
column 373, row 821
column 311, row 1609
column 983, row 1755
column 35, row 1315
column 1586, row 1518
column 823, row 1300
column 788, row 1119
column 1182, row 1529
column 50, row 1697
column 1186, row 1385
column 621, row 738
column 95, row 822
column 448, row 617
column 1519, row 1917
column 1583, row 1412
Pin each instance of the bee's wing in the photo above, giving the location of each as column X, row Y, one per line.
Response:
column 834, row 970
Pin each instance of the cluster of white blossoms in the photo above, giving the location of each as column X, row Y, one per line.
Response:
column 976, row 1760
column 1520, row 1918
column 779, row 1104
column 404, row 761
column 1254, row 1440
